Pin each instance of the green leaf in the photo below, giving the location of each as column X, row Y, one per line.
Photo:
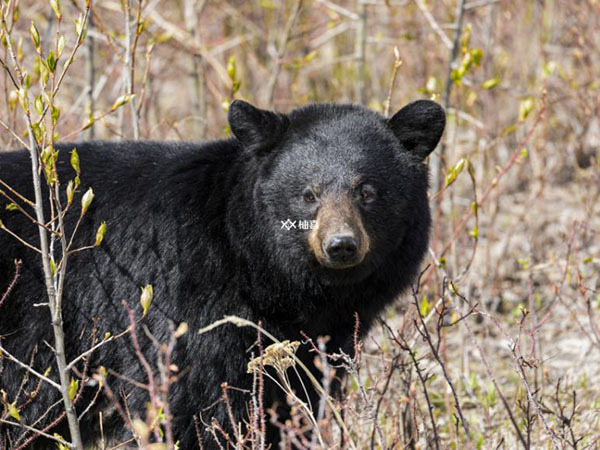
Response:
column 476, row 55
column 86, row 201
column 51, row 61
column 524, row 263
column 525, row 107
column 509, row 129
column 38, row 131
column 549, row 68
column 471, row 170
column 75, row 161
column 181, row 330
column 466, row 37
column 54, row 114
column 491, row 83
column 432, row 85
column 39, row 104
column 60, row 46
column 12, row 207
column 44, row 72
column 122, row 100
column 231, row 68
column 23, row 98
column 73, row 388
column 146, row 297
column 475, row 232
column 491, row 397
column 456, row 75
column 27, row 80
column 90, row 121
column 454, row 171
column 13, row 411
column 480, row 443
column 235, row 87
column 13, row 99
column 310, row 56
column 100, row 234
column 48, row 156
column 425, row 307
column 55, row 5
column 466, row 62
column 70, row 192
column 35, row 35
column 80, row 27
column 267, row 4
column 59, row 445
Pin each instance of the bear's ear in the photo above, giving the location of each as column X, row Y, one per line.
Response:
column 255, row 128
column 419, row 126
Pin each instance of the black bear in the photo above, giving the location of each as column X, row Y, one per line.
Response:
column 299, row 222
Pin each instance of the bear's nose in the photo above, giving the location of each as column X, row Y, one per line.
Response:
column 341, row 248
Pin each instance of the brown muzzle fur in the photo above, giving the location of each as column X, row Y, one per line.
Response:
column 339, row 221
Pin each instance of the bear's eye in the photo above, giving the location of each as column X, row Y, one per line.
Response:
column 309, row 196
column 367, row 193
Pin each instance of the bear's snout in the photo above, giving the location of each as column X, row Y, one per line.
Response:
column 340, row 240
column 341, row 249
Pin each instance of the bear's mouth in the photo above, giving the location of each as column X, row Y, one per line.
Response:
column 341, row 263
column 343, row 276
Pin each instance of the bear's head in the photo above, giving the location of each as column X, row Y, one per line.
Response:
column 338, row 188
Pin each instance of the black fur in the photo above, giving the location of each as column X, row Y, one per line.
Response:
column 202, row 224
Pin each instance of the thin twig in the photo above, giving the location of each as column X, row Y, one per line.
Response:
column 192, row 11
column 280, row 52
column 91, row 74
column 14, row 192
column 423, row 330
column 13, row 282
column 397, row 64
column 96, row 347
column 515, row 155
column 128, row 73
column 29, row 369
column 18, row 238
column 360, row 47
column 37, row 432
column 240, row 322
column 26, row 214
column 15, row 135
column 433, row 24
column 490, row 373
column 437, row 161
column 53, row 291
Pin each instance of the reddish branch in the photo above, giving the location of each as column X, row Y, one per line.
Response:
column 13, row 283
column 515, row 155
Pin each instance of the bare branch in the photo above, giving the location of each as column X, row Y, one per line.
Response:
column 30, row 369
column 37, row 432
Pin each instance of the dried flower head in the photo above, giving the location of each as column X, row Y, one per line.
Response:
column 279, row 355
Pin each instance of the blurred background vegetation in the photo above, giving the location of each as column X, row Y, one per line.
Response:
column 512, row 291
